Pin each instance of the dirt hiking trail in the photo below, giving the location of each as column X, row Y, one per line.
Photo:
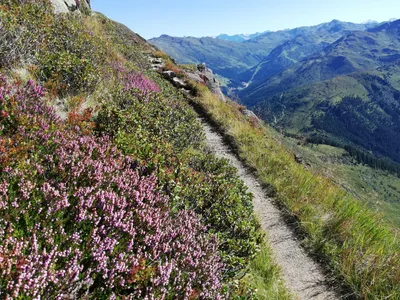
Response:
column 303, row 276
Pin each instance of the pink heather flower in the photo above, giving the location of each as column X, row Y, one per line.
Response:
column 91, row 224
column 142, row 85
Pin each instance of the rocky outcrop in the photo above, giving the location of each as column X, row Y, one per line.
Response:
column 202, row 74
column 169, row 75
column 179, row 83
column 156, row 63
column 65, row 6
column 206, row 76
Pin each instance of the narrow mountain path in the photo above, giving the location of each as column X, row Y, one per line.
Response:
column 302, row 275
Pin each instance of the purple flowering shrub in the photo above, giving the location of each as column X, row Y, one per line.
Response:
column 80, row 219
column 159, row 131
column 141, row 86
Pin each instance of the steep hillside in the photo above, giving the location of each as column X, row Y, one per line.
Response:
column 282, row 57
column 359, row 109
column 106, row 189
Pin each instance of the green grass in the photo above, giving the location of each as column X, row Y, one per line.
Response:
column 379, row 189
column 358, row 245
column 264, row 275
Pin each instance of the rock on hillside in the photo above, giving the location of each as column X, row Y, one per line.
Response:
column 206, row 75
column 65, row 6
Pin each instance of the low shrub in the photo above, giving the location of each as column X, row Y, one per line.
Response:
column 22, row 30
column 80, row 219
column 212, row 188
column 68, row 55
column 161, row 132
column 140, row 107
column 72, row 56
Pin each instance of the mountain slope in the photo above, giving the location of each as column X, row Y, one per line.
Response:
column 362, row 109
column 231, row 58
column 106, row 190
column 309, row 40
column 359, row 50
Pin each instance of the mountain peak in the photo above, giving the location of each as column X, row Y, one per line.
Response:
column 239, row 37
column 369, row 21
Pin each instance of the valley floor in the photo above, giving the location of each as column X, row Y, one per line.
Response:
column 303, row 276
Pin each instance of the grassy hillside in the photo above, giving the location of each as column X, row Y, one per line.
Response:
column 106, row 191
column 378, row 188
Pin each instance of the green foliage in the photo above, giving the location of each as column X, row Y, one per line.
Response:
column 212, row 188
column 22, row 30
column 161, row 133
column 68, row 55
column 164, row 119
column 72, row 56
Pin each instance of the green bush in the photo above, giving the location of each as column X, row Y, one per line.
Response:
column 164, row 133
column 68, row 56
column 72, row 56
column 22, row 30
column 168, row 119
column 212, row 188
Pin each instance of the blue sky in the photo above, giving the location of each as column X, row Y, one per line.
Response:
column 151, row 18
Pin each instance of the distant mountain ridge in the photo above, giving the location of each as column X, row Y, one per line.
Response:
column 239, row 37
column 357, row 51
column 337, row 82
column 231, row 57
